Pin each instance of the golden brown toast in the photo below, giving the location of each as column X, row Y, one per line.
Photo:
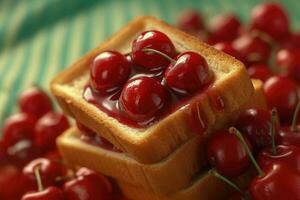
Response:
column 231, row 84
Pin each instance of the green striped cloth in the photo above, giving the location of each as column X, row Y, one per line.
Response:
column 39, row 38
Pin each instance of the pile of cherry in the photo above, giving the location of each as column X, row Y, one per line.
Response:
column 31, row 167
column 268, row 139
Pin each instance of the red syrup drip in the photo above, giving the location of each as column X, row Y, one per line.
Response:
column 216, row 101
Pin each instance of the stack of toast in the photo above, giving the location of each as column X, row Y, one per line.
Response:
column 166, row 160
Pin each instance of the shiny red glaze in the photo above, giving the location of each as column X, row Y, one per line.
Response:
column 252, row 49
column 216, row 100
column 227, row 154
column 190, row 21
column 155, row 40
column 49, row 171
column 291, row 41
column 88, row 185
column 289, row 61
column 270, row 18
column 18, row 127
column 109, row 71
column 188, row 74
column 50, row 193
column 35, row 101
column 48, row 128
column 142, row 98
column 224, row 27
column 196, row 119
column 255, row 124
column 259, row 71
column 227, row 47
column 281, row 93
column 286, row 136
column 281, row 182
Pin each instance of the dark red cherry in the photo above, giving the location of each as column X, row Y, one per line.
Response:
column 48, row 128
column 227, row 154
column 259, row 71
column 18, row 127
column 270, row 18
column 3, row 153
column 190, row 21
column 35, row 101
column 224, row 27
column 50, row 193
column 281, row 93
column 292, row 41
column 155, row 40
column 255, row 124
column 109, row 71
column 289, row 61
column 188, row 73
column 252, row 49
column 142, row 98
column 227, row 47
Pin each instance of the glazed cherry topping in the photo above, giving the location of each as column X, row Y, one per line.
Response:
column 188, row 74
column 227, row 154
column 155, row 40
column 35, row 101
column 142, row 98
column 259, row 71
column 109, row 71
column 270, row 18
column 227, row 47
column 281, row 93
column 190, row 21
column 48, row 128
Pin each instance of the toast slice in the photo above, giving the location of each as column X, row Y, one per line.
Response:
column 155, row 178
column 231, row 86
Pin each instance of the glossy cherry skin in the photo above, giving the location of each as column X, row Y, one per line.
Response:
column 188, row 74
column 18, row 127
column 155, row 40
column 87, row 185
column 271, row 19
column 190, row 21
column 281, row 93
column 224, row 27
column 286, row 136
column 50, row 193
column 48, row 128
column 142, row 98
column 288, row 60
column 255, row 124
column 281, row 182
column 109, row 71
column 227, row 154
column 227, row 47
column 252, row 49
column 35, row 101
column 259, row 71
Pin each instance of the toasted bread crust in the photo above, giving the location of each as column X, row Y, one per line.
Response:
column 152, row 144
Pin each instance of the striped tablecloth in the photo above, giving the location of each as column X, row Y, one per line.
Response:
column 39, row 38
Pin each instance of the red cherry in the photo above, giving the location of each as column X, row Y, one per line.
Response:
column 3, row 153
column 227, row 154
column 281, row 93
column 270, row 18
column 109, row 71
column 260, row 71
column 188, row 73
column 48, row 128
column 142, row 98
column 35, row 101
column 227, row 47
column 190, row 21
column 224, row 27
column 279, row 182
column 252, row 49
column 88, row 185
column 18, row 127
column 54, row 155
column 291, row 41
column 288, row 60
column 255, row 124
column 155, row 40
column 50, row 193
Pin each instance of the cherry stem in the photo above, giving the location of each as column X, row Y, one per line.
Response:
column 274, row 118
column 147, row 50
column 38, row 178
column 243, row 141
column 295, row 118
column 226, row 180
